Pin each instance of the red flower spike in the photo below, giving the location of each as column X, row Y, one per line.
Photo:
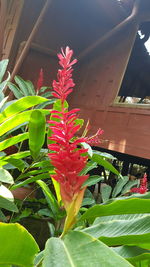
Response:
column 63, row 87
column 66, row 154
column 142, row 189
column 67, row 157
column 40, row 80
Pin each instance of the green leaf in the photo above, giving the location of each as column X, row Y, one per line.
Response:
column 94, row 179
column 120, row 184
column 47, row 94
column 2, row 217
column 57, row 190
column 79, row 122
column 128, row 186
column 48, row 102
column 21, row 105
column 18, row 155
column 22, row 85
column 123, row 206
column 105, row 192
column 49, row 197
column 108, row 166
column 18, row 163
column 37, row 127
column 43, row 164
column 16, row 120
column 17, row 246
column 3, row 84
column 135, row 255
column 13, row 140
column 44, row 88
column 87, row 146
column 16, row 91
column 7, row 204
column 6, row 177
column 58, row 106
column 89, row 166
column 3, row 67
column 31, row 89
column 38, row 259
column 6, row 193
column 31, row 180
column 123, row 232
column 79, row 249
column 34, row 172
column 119, row 217
column 104, row 155
column 24, row 214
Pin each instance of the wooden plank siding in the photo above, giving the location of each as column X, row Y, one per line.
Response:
column 98, row 78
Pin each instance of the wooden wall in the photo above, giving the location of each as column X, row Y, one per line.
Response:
column 126, row 128
column 98, row 79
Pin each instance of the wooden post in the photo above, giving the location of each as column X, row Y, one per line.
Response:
column 3, row 10
column 29, row 41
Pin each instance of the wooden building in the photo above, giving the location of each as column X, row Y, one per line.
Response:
column 102, row 34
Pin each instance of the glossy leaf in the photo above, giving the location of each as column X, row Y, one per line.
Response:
column 128, row 186
column 3, row 67
column 13, row 140
column 137, row 256
column 7, row 204
column 31, row 180
column 37, row 127
column 36, row 172
column 16, row 91
column 105, row 192
column 21, row 105
column 49, row 197
column 18, row 155
column 17, row 246
column 123, row 206
column 6, row 177
column 104, row 155
column 47, row 103
column 80, row 249
column 22, row 85
column 93, row 179
column 123, row 232
column 6, row 193
column 31, row 89
column 119, row 186
column 119, row 217
column 57, row 190
column 2, row 86
column 18, row 163
column 89, row 166
column 2, row 217
column 16, row 120
column 108, row 166
column 87, row 146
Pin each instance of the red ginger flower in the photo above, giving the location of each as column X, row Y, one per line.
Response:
column 142, row 189
column 63, row 87
column 67, row 157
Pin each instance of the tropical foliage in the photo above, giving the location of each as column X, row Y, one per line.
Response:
column 82, row 232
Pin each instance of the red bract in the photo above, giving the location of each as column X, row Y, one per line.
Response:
column 67, row 158
column 63, row 87
column 66, row 155
column 142, row 189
